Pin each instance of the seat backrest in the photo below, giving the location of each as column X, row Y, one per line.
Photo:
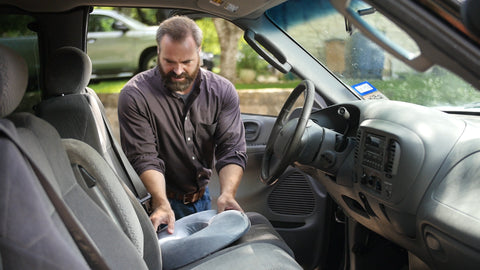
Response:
column 66, row 105
column 44, row 242
column 43, row 145
column 76, row 112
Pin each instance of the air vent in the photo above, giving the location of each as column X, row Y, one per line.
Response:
column 393, row 153
column 357, row 147
column 292, row 195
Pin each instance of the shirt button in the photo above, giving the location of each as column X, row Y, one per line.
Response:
column 193, row 158
column 186, row 118
column 188, row 139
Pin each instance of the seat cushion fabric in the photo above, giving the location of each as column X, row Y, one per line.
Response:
column 263, row 231
column 201, row 234
column 107, row 186
column 31, row 234
column 247, row 256
column 44, row 145
column 13, row 80
column 72, row 118
column 68, row 72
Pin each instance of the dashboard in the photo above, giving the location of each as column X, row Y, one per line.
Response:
column 407, row 172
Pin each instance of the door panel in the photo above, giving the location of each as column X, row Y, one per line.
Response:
column 295, row 205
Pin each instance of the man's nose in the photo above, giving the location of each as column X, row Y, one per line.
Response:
column 178, row 69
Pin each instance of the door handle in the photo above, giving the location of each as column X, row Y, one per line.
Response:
column 252, row 130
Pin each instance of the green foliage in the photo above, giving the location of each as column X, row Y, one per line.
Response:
column 15, row 26
column 249, row 59
column 210, row 38
column 147, row 16
column 108, row 86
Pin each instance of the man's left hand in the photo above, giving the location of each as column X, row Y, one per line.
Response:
column 227, row 202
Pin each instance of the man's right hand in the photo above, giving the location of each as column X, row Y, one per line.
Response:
column 163, row 214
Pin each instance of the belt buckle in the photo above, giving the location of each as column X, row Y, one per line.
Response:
column 145, row 202
column 184, row 200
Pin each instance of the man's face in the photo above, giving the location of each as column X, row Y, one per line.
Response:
column 179, row 63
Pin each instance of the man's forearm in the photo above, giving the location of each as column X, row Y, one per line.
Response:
column 229, row 177
column 154, row 182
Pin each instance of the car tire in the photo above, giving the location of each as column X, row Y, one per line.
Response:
column 148, row 61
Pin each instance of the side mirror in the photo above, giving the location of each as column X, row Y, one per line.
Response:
column 120, row 26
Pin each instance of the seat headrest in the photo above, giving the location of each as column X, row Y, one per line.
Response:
column 68, row 72
column 13, row 80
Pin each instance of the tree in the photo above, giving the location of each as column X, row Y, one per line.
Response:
column 228, row 37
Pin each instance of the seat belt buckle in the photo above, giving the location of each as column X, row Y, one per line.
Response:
column 146, row 203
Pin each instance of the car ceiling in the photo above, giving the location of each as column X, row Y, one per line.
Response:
column 228, row 9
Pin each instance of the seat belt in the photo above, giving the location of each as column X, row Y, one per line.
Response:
column 139, row 189
column 81, row 238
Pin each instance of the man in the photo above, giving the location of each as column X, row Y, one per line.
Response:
column 175, row 120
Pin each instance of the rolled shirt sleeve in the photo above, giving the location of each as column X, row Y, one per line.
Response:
column 137, row 133
column 230, row 133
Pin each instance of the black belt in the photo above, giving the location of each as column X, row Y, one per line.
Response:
column 186, row 198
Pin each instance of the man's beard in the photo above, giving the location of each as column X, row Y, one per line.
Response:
column 178, row 86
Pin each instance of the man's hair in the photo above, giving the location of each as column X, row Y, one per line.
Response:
column 179, row 28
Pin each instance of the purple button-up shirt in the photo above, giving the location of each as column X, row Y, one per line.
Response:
column 160, row 130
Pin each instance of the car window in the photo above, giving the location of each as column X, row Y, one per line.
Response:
column 360, row 63
column 16, row 34
column 100, row 23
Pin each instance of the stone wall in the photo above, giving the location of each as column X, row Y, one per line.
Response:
column 259, row 101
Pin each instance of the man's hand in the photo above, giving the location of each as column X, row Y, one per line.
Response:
column 163, row 214
column 154, row 181
column 227, row 202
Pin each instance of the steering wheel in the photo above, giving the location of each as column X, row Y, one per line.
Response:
column 277, row 157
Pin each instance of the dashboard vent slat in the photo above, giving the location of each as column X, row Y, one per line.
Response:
column 357, row 147
column 392, row 157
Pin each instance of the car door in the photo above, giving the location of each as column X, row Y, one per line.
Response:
column 296, row 204
column 109, row 48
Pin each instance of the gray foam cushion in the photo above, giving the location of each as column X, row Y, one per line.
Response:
column 201, row 234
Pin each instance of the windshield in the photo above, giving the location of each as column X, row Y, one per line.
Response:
column 360, row 63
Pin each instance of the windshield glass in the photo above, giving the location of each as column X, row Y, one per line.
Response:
column 360, row 63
